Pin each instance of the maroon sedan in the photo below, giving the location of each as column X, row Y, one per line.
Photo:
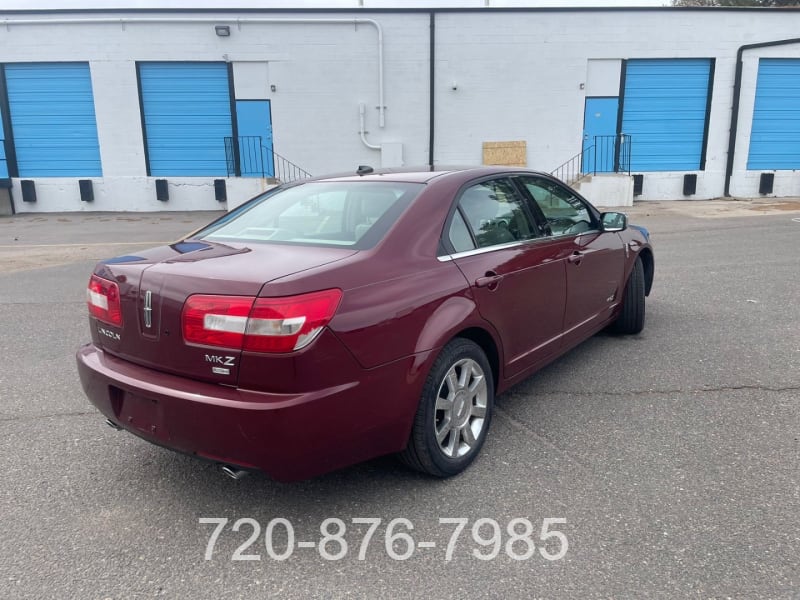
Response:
column 339, row 319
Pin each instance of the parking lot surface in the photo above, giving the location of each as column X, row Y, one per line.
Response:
column 673, row 456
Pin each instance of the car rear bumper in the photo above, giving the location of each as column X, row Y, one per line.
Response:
column 289, row 436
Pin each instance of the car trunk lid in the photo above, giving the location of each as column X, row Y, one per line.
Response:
column 154, row 285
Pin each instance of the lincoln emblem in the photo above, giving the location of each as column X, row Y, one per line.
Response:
column 148, row 309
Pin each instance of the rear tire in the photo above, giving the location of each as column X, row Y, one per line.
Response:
column 631, row 318
column 454, row 412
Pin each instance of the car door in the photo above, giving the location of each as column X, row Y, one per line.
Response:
column 516, row 275
column 596, row 259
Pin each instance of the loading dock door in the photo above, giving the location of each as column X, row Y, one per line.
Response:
column 51, row 107
column 187, row 116
column 665, row 113
column 775, row 136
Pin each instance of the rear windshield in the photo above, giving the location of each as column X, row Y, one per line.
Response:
column 347, row 213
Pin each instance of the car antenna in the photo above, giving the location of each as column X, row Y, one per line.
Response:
column 364, row 170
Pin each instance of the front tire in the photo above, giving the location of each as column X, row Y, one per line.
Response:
column 631, row 318
column 454, row 411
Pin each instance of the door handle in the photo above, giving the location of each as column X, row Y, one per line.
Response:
column 490, row 280
column 575, row 258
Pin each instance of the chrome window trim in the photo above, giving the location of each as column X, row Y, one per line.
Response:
column 467, row 253
column 563, row 235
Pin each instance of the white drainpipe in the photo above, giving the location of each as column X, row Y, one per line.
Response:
column 362, row 130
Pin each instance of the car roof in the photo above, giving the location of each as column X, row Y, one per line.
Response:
column 421, row 174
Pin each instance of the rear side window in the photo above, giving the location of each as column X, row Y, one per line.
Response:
column 496, row 214
column 347, row 213
column 460, row 237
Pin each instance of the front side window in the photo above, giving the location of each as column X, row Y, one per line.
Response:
column 339, row 213
column 566, row 214
column 495, row 213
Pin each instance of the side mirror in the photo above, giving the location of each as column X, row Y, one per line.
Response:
column 614, row 221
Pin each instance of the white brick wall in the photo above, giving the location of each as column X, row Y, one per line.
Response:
column 134, row 194
column 540, row 60
column 517, row 76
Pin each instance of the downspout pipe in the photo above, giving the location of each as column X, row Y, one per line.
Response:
column 737, row 93
column 431, row 89
column 122, row 21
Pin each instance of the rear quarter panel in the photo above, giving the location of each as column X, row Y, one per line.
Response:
column 391, row 319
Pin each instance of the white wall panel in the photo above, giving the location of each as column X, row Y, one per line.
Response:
column 518, row 76
column 602, row 77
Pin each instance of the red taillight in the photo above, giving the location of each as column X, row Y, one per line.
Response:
column 290, row 323
column 216, row 320
column 102, row 297
column 258, row 324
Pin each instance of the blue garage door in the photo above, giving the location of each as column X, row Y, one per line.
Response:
column 187, row 116
column 52, row 117
column 665, row 113
column 775, row 137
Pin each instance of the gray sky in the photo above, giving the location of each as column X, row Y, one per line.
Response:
column 52, row 4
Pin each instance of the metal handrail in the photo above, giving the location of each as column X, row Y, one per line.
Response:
column 570, row 171
column 607, row 154
column 248, row 156
column 286, row 170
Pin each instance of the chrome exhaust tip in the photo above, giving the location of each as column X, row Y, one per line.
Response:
column 233, row 472
column 113, row 425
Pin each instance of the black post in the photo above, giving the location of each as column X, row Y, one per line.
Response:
column 5, row 113
column 432, row 77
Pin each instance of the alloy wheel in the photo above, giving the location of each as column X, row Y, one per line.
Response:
column 460, row 412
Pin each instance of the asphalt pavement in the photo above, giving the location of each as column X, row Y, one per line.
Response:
column 672, row 457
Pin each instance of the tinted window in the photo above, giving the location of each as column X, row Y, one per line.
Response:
column 460, row 237
column 565, row 212
column 495, row 213
column 319, row 213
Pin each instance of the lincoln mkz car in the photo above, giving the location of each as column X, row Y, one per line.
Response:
column 339, row 319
